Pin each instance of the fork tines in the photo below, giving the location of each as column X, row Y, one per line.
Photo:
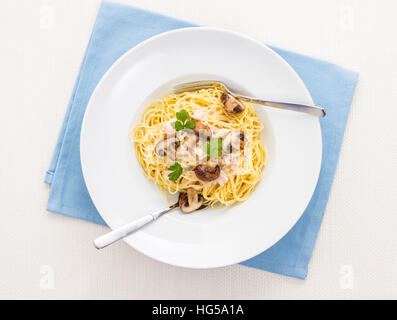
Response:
column 196, row 85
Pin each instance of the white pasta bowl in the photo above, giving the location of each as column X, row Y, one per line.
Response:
column 213, row 237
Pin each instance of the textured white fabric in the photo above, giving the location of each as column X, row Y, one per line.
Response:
column 44, row 255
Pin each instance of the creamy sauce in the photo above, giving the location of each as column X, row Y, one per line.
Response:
column 199, row 115
column 191, row 150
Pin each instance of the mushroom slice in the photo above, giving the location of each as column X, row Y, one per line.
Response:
column 207, row 172
column 231, row 104
column 233, row 141
column 167, row 147
column 190, row 201
column 202, row 130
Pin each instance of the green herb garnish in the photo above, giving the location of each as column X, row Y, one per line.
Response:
column 176, row 171
column 182, row 122
column 177, row 125
column 191, row 124
column 214, row 147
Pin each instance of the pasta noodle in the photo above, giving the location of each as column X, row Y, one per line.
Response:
column 240, row 172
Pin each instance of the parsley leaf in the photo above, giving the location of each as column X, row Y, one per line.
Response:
column 177, row 170
column 182, row 115
column 214, row 147
column 191, row 124
column 181, row 123
column 177, row 125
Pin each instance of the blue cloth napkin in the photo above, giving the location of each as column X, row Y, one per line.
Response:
column 117, row 29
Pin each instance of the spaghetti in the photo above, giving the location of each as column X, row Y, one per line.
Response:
column 240, row 169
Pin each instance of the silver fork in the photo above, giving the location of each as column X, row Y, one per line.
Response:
column 198, row 85
column 123, row 231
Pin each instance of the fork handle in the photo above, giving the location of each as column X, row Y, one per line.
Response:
column 314, row 110
column 129, row 228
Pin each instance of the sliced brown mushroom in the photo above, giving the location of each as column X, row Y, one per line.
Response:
column 167, row 147
column 190, row 201
column 233, row 141
column 207, row 172
column 231, row 104
column 202, row 130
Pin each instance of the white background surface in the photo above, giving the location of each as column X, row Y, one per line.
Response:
column 355, row 255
